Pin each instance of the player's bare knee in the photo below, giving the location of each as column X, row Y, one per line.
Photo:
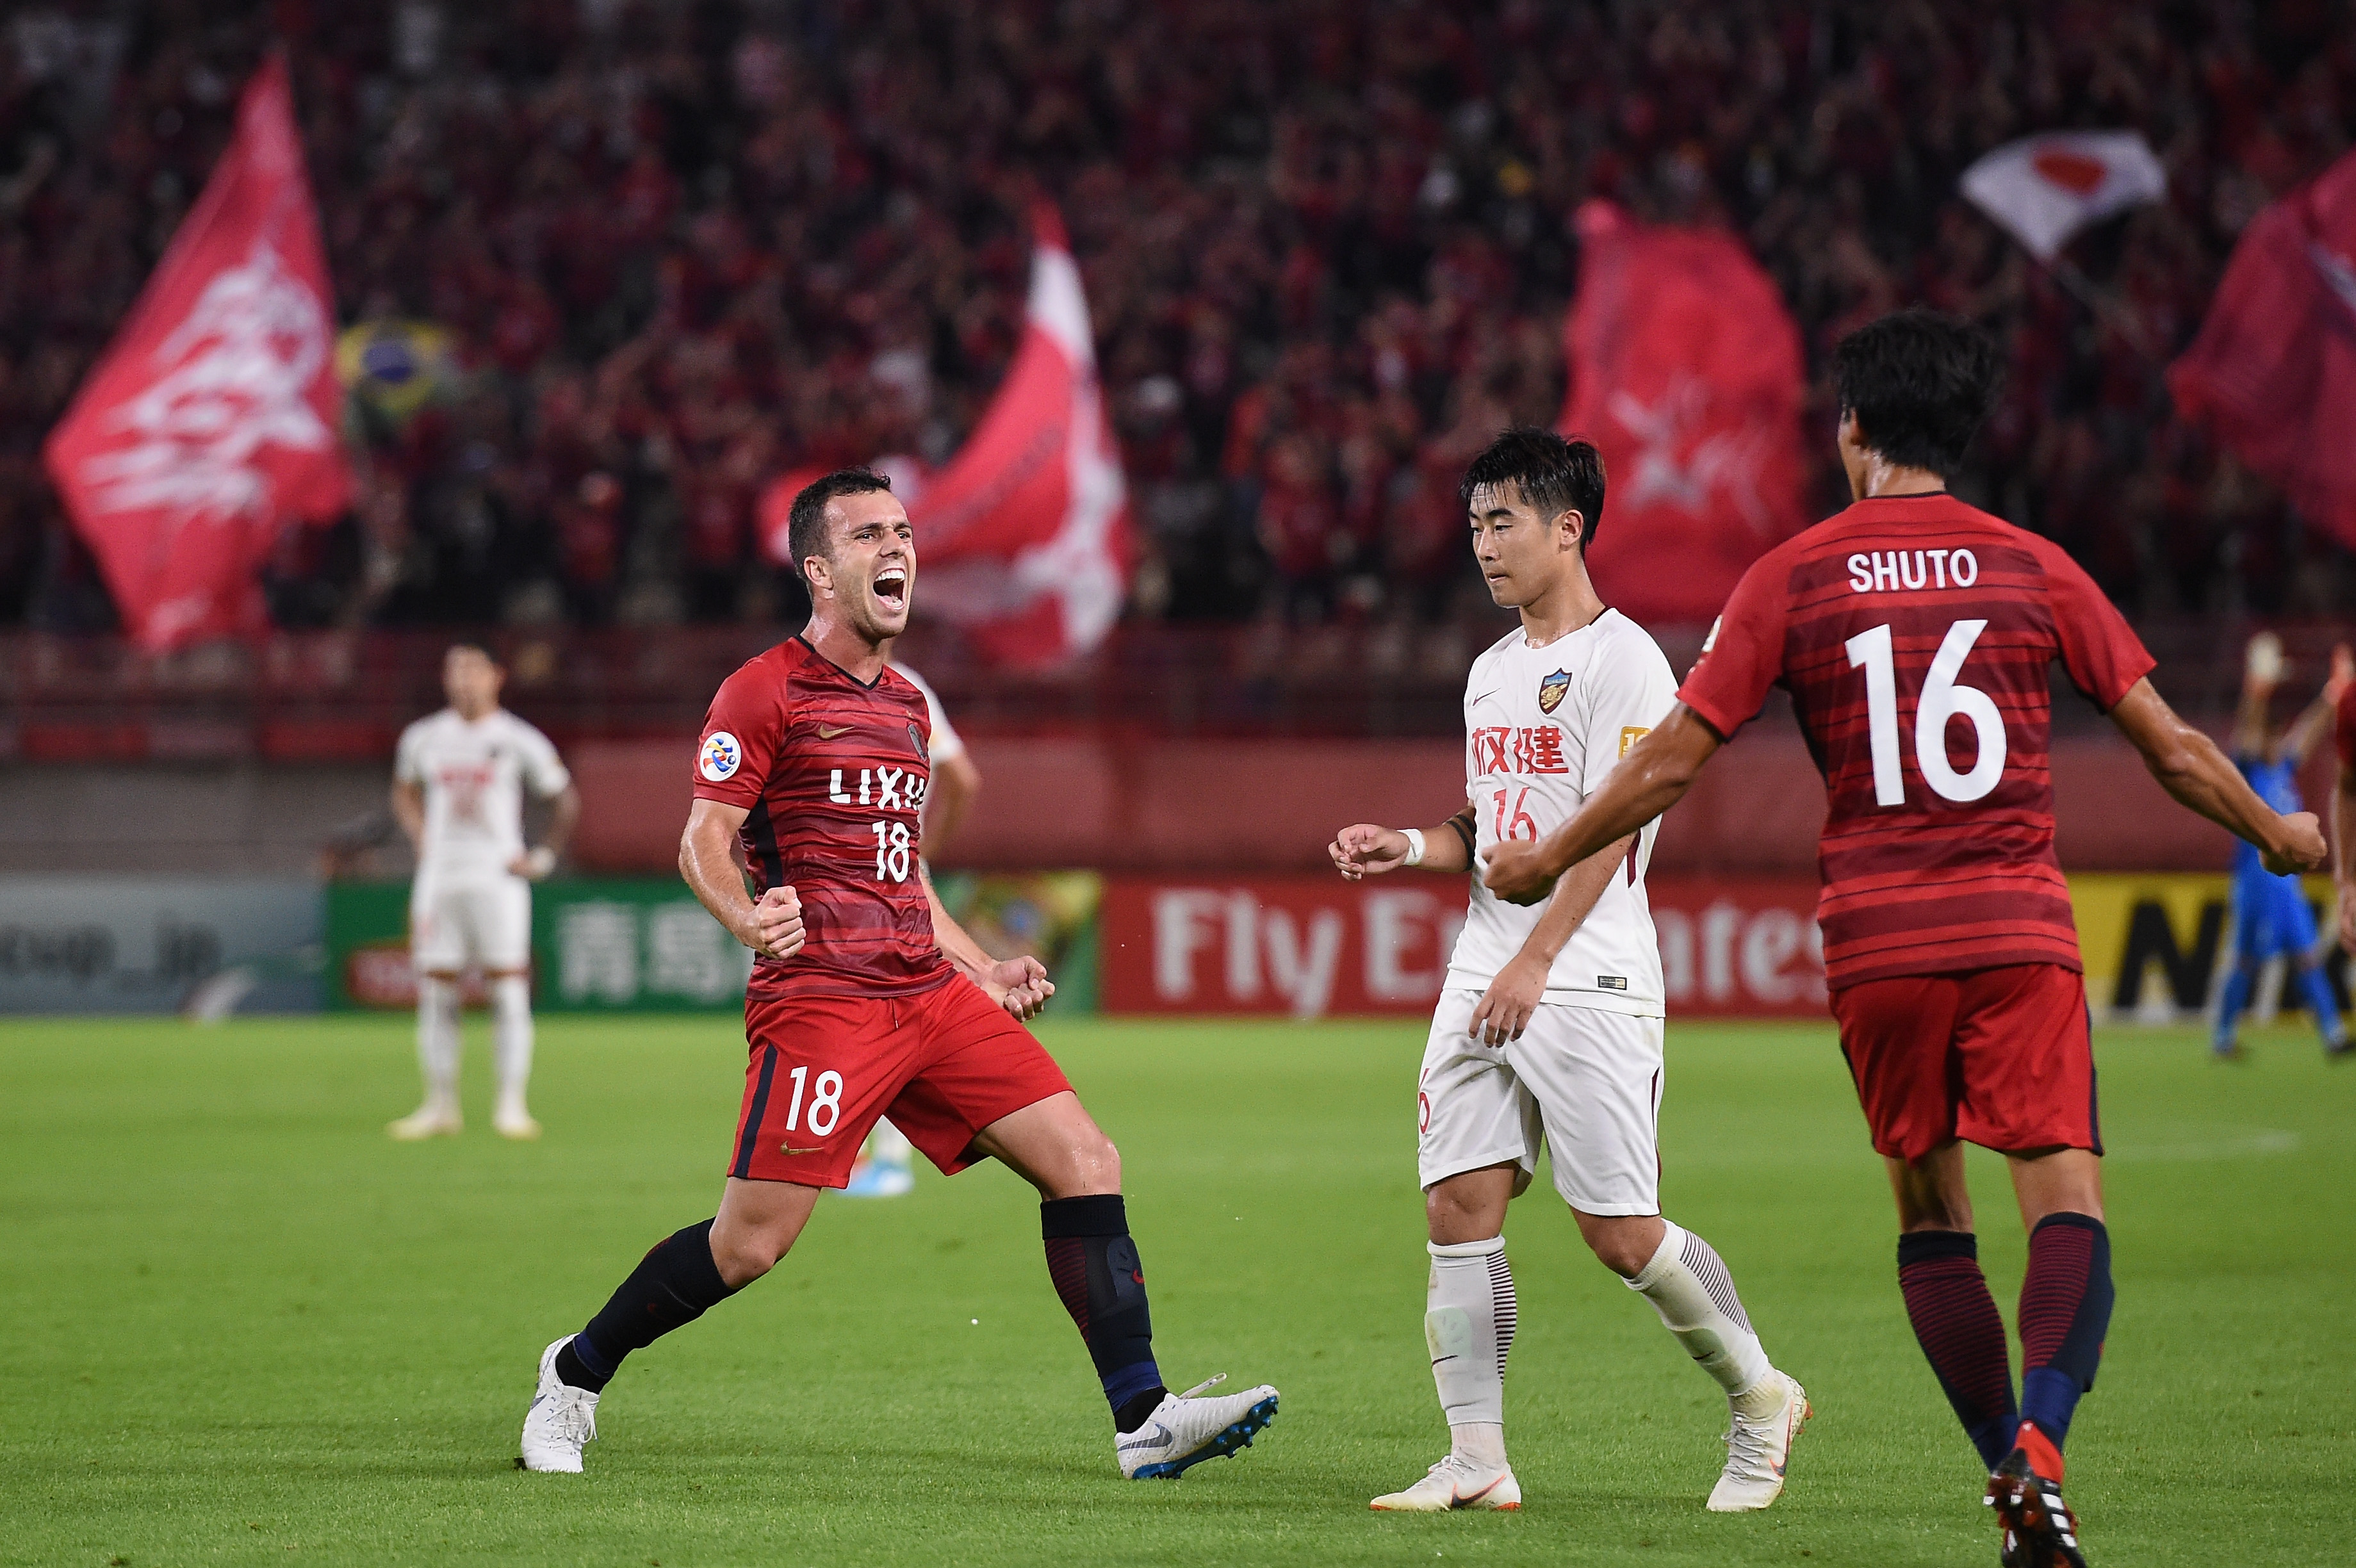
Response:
column 1095, row 1164
column 1619, row 1252
column 1465, row 1208
column 745, row 1257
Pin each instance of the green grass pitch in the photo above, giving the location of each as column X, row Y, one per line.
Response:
column 242, row 1327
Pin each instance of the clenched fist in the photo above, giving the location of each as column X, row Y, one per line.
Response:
column 777, row 924
column 2302, row 850
column 1363, row 851
column 1517, row 873
column 1020, row 986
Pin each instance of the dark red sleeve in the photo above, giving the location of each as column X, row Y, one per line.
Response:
column 2344, row 728
column 2100, row 650
column 742, row 732
column 1744, row 655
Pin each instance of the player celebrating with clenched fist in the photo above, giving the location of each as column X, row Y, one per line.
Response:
column 866, row 998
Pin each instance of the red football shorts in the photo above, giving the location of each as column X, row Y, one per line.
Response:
column 1997, row 1057
column 943, row 1065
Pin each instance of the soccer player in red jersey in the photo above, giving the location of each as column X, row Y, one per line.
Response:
column 866, row 998
column 1913, row 634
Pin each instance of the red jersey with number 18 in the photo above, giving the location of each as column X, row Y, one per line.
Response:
column 1915, row 634
column 832, row 772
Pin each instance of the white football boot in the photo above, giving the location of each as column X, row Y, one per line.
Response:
column 512, row 1121
column 428, row 1121
column 1184, row 1430
column 1455, row 1482
column 562, row 1420
column 1757, row 1450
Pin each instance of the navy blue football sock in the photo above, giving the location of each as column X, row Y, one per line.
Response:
column 1961, row 1333
column 2065, row 1310
column 675, row 1283
column 1097, row 1273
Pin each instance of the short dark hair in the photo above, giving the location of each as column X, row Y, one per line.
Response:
column 1553, row 475
column 806, row 524
column 471, row 646
column 1920, row 383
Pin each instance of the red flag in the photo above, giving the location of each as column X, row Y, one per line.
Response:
column 210, row 423
column 1686, row 373
column 1023, row 536
column 2273, row 371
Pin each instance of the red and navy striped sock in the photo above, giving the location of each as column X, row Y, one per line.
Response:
column 1095, row 1267
column 2066, row 1311
column 1961, row 1333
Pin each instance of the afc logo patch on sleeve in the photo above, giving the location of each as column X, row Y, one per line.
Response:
column 721, row 756
column 1631, row 733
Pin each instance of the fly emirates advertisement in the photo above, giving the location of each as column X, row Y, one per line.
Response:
column 1315, row 946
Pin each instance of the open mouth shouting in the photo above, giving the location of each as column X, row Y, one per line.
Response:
column 892, row 588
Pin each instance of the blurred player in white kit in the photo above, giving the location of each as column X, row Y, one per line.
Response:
column 1550, row 1023
column 457, row 790
column 885, row 1167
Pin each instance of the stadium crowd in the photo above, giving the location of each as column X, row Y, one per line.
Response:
column 680, row 248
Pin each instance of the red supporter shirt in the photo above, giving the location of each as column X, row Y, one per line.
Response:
column 832, row 773
column 1915, row 634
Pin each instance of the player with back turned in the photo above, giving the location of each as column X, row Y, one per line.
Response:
column 1915, row 634
column 866, row 997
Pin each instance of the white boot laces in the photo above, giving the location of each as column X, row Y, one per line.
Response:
column 575, row 1418
column 1746, row 1447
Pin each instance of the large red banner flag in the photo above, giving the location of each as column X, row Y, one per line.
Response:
column 1023, row 536
column 210, row 423
column 2273, row 371
column 1686, row 372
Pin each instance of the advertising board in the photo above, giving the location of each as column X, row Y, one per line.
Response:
column 75, row 944
column 1309, row 946
column 643, row 943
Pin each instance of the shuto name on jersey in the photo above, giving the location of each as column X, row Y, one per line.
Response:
column 1888, row 570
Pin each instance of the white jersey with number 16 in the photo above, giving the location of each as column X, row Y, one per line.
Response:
column 1542, row 728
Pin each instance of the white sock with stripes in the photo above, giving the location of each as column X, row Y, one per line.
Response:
column 1468, row 1325
column 1687, row 1284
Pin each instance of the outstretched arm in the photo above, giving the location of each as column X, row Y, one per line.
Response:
column 2194, row 769
column 1362, row 850
column 2312, row 725
column 1652, row 778
column 1019, row 985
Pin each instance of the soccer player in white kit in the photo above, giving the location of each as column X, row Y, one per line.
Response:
column 886, row 1167
column 1549, row 1028
column 457, row 790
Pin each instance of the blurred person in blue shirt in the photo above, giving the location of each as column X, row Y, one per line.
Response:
column 2271, row 916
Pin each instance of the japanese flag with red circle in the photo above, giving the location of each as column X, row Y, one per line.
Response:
column 2044, row 189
